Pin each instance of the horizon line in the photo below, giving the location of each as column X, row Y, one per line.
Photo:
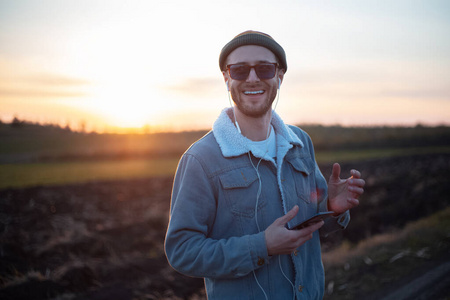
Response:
column 151, row 129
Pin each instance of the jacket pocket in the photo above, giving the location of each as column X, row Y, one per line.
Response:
column 240, row 187
column 303, row 171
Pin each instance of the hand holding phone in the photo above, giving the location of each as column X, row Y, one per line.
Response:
column 315, row 219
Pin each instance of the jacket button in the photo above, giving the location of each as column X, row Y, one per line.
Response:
column 295, row 252
column 261, row 261
column 300, row 288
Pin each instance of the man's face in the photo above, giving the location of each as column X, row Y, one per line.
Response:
column 253, row 96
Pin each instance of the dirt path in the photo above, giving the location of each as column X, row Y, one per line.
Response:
column 433, row 284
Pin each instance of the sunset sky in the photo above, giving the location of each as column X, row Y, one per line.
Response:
column 112, row 64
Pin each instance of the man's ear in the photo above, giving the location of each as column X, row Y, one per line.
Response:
column 280, row 75
column 226, row 79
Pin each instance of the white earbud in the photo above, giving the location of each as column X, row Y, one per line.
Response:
column 279, row 83
column 228, row 88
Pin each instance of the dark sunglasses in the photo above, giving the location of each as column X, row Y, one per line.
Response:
column 263, row 70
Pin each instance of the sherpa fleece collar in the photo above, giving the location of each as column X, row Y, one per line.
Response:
column 232, row 143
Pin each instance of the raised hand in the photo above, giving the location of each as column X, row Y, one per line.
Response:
column 343, row 194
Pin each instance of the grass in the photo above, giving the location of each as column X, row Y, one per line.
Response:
column 356, row 155
column 378, row 263
column 58, row 173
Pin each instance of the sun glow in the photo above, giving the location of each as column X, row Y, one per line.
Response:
column 124, row 70
column 125, row 103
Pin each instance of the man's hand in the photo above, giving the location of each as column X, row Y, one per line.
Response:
column 343, row 194
column 280, row 240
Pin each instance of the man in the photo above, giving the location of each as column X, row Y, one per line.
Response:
column 240, row 190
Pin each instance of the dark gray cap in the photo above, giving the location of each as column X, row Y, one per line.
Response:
column 253, row 38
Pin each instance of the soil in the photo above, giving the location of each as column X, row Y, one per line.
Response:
column 104, row 240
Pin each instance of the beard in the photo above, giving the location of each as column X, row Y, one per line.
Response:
column 254, row 111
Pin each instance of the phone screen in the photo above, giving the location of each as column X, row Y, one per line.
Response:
column 313, row 220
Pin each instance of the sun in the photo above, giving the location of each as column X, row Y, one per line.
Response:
column 125, row 75
column 124, row 104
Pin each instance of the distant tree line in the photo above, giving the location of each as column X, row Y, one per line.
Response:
column 325, row 138
column 339, row 137
column 18, row 123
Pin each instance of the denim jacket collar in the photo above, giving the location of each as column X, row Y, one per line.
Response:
column 232, row 143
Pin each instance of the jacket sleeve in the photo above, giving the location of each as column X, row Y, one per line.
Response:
column 188, row 247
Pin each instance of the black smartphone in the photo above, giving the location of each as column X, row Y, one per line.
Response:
column 317, row 218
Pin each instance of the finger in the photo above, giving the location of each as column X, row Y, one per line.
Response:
column 355, row 173
column 287, row 217
column 356, row 190
column 306, row 233
column 299, row 237
column 360, row 183
column 336, row 172
column 311, row 228
column 354, row 202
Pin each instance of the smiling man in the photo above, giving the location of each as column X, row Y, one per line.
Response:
column 240, row 191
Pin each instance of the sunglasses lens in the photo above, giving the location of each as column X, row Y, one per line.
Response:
column 239, row 72
column 263, row 71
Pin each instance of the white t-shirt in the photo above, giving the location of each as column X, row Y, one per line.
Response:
column 267, row 147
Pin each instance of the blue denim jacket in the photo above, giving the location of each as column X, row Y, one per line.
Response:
column 212, row 231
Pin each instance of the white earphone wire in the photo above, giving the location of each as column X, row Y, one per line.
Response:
column 256, row 168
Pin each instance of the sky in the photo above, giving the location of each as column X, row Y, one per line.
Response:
column 114, row 65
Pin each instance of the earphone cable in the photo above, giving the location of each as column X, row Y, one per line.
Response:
column 256, row 168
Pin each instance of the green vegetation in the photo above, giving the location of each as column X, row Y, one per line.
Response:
column 52, row 173
column 357, row 155
column 375, row 263
column 77, row 171
column 32, row 143
column 26, row 142
column 327, row 138
column 33, row 154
